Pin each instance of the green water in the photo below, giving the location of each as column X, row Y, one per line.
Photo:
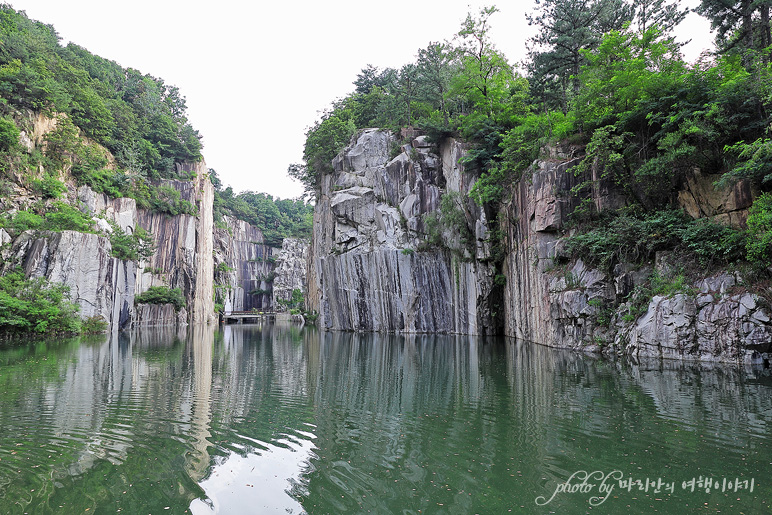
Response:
column 269, row 419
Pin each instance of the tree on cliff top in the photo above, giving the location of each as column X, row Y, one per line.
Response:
column 740, row 25
column 323, row 142
column 565, row 29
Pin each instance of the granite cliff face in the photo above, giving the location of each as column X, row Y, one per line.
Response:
column 377, row 262
column 290, row 271
column 243, row 266
column 371, row 264
column 104, row 285
column 575, row 306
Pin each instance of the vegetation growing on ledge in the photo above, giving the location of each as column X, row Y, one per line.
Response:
column 162, row 295
column 131, row 247
column 59, row 217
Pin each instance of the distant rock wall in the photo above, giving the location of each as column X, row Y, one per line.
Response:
column 290, row 271
column 243, row 266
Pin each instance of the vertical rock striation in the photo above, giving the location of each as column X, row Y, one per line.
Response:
column 106, row 286
column 290, row 271
column 243, row 266
column 371, row 265
column 575, row 306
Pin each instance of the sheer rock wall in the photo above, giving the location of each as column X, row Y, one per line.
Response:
column 576, row 306
column 371, row 265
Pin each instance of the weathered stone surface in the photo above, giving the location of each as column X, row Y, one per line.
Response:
column 700, row 198
column 581, row 308
column 726, row 329
column 106, row 286
column 365, row 272
column 101, row 284
column 5, row 245
column 290, row 271
column 243, row 265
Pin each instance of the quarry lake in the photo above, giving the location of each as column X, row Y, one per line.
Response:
column 279, row 419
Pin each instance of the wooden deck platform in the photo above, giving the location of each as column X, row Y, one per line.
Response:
column 239, row 316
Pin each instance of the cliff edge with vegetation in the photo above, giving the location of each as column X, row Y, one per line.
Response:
column 617, row 198
column 110, row 217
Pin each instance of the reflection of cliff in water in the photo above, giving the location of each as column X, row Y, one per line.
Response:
column 396, row 411
column 130, row 399
column 373, row 418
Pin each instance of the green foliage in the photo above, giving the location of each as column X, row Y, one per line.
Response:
column 484, row 77
column 62, row 143
column 519, row 147
column 222, row 268
column 35, row 305
column 22, row 221
column 740, row 25
column 448, row 227
column 61, row 217
column 626, row 69
column 656, row 285
column 564, row 29
column 605, row 74
column 64, row 217
column 139, row 118
column 712, row 243
column 323, row 142
column 131, row 247
column 604, row 312
column 49, row 186
column 162, row 295
column 277, row 218
column 759, row 243
column 93, row 325
column 296, row 300
column 652, row 118
column 635, row 238
column 166, row 199
column 754, row 162
column 9, row 135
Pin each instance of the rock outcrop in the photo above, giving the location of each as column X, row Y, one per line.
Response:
column 290, row 271
column 575, row 306
column 373, row 266
column 101, row 284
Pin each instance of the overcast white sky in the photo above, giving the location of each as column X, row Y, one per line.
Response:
column 257, row 74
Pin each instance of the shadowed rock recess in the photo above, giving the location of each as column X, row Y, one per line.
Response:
column 379, row 261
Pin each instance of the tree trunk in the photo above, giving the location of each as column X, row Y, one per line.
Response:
column 747, row 24
column 765, row 30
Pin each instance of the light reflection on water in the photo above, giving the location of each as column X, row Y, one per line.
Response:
column 272, row 419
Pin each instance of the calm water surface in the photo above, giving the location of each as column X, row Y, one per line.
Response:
column 272, row 419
